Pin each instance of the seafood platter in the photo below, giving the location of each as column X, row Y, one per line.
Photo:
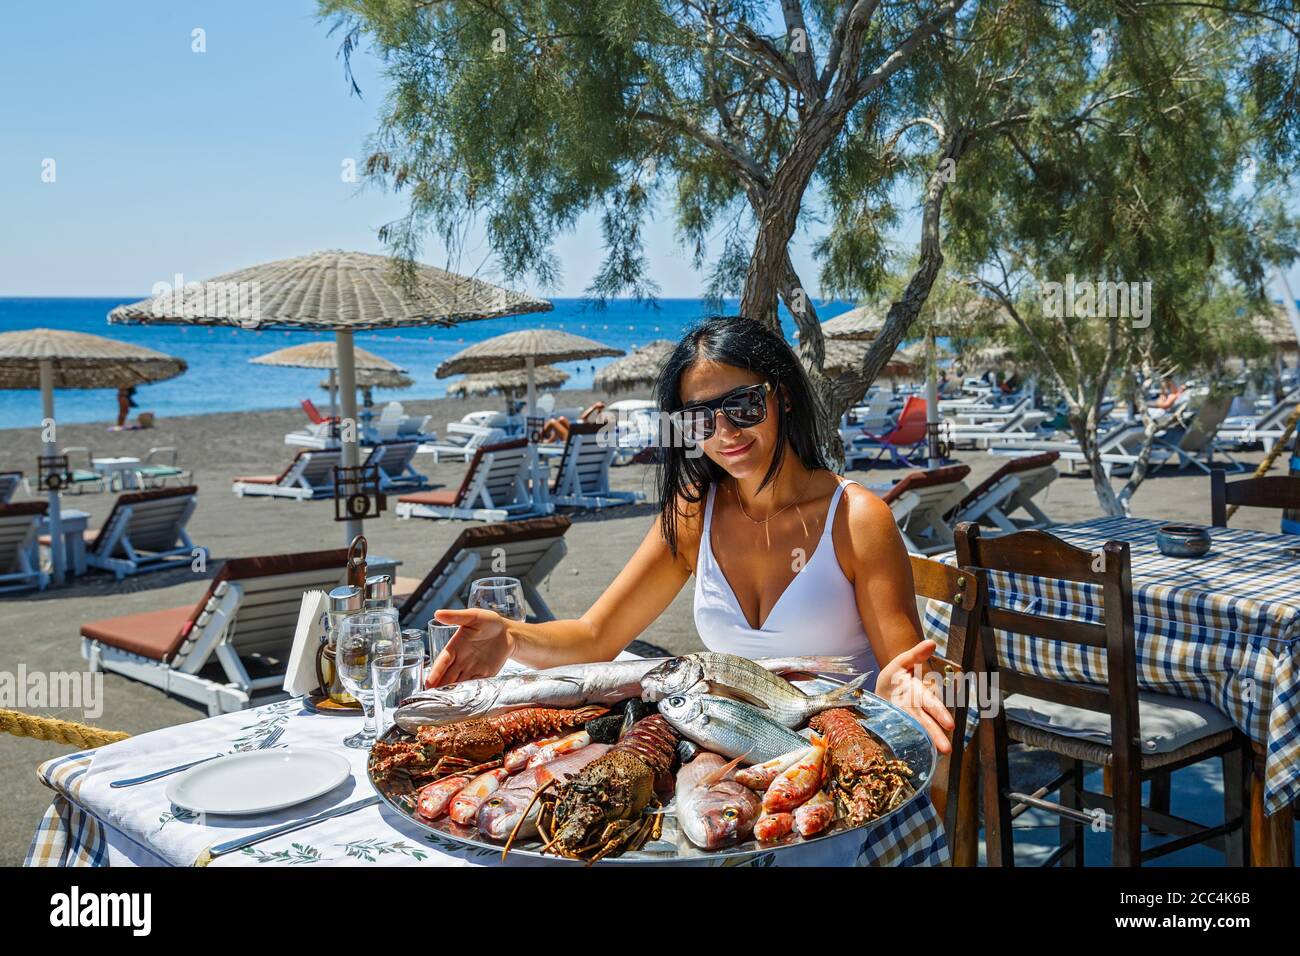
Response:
column 653, row 760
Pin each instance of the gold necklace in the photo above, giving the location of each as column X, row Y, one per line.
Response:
column 741, row 504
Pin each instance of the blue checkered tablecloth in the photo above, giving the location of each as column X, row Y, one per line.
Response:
column 90, row 824
column 1224, row 628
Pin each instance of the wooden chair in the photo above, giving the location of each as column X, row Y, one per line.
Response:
column 1269, row 491
column 955, row 794
column 1137, row 736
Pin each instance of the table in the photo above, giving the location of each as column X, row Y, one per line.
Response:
column 89, row 824
column 1224, row 628
column 119, row 472
column 74, row 524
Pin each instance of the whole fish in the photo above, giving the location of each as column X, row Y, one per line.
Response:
column 714, row 810
column 499, row 813
column 760, row 776
column 815, row 815
column 729, row 727
column 464, row 807
column 433, row 800
column 569, row 685
column 770, row 827
column 795, row 785
column 739, row 677
column 558, row 748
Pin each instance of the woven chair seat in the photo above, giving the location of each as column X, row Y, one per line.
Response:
column 1096, row 753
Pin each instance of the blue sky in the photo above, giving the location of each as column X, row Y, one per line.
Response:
column 167, row 160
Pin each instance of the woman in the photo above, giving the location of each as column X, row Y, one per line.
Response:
column 788, row 557
column 557, row 429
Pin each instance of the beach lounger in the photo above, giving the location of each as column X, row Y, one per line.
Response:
column 528, row 550
column 919, row 503
column 461, row 441
column 1265, row 428
column 1188, row 444
column 495, row 488
column 20, row 569
column 309, row 475
column 396, row 473
column 83, row 479
column 1021, row 424
column 229, row 646
column 9, row 482
column 313, row 414
column 582, row 474
column 909, row 433
column 1008, row 491
column 154, row 473
column 145, row 531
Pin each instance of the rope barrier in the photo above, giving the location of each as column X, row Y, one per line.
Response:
column 81, row 736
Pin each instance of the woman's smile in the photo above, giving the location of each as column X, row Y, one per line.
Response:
column 734, row 453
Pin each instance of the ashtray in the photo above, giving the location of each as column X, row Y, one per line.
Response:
column 1183, row 540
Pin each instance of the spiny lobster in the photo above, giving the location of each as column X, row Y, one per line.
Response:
column 456, row 746
column 864, row 782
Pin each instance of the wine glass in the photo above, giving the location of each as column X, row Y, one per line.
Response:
column 362, row 638
column 503, row 595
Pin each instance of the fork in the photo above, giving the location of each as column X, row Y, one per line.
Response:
column 268, row 742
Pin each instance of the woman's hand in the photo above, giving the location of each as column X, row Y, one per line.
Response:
column 905, row 682
column 478, row 649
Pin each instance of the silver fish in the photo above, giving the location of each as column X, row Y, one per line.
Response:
column 714, row 810
column 731, row 676
column 569, row 685
column 729, row 727
column 499, row 813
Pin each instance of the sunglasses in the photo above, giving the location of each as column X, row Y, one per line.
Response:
column 744, row 407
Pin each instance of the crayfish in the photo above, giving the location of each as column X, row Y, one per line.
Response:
column 864, row 781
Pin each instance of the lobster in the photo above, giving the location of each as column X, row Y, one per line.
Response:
column 864, row 782
column 457, row 746
column 600, row 811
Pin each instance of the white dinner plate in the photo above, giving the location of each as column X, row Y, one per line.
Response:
column 259, row 781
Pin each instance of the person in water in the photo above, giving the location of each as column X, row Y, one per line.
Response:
column 789, row 558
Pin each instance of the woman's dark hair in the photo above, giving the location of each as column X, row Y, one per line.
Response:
column 743, row 343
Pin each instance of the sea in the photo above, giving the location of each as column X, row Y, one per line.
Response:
column 221, row 379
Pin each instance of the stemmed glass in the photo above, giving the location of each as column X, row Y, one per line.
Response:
column 503, row 595
column 362, row 638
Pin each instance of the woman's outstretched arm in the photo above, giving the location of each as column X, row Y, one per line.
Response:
column 640, row 592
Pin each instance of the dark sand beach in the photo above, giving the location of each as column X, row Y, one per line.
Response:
column 41, row 630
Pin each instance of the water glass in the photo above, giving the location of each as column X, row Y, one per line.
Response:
column 503, row 595
column 362, row 638
column 394, row 679
column 413, row 645
column 440, row 636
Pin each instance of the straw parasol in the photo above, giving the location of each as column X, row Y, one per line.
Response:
column 507, row 383
column 49, row 358
column 861, row 324
column 637, row 369
column 526, row 350
column 368, row 379
column 846, row 355
column 991, row 355
column 326, row 355
column 1276, row 328
column 342, row 292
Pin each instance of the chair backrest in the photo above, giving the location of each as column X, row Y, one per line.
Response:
column 319, row 470
column 504, row 461
column 910, row 428
column 272, row 587
column 1268, row 491
column 17, row 526
column 587, row 457
column 1105, row 589
column 153, row 519
column 546, row 404
column 9, row 482
column 313, row 414
column 392, row 413
column 393, row 457
column 1012, row 466
column 506, row 547
column 1280, row 412
column 1209, row 416
column 963, row 592
column 934, row 478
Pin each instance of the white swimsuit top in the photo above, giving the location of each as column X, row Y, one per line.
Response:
column 816, row 614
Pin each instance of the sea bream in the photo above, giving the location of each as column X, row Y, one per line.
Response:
column 729, row 727
column 498, row 814
column 569, row 685
column 713, row 810
column 738, row 677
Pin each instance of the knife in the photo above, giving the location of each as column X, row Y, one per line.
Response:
column 230, row 846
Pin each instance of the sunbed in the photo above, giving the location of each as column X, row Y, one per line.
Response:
column 909, row 433
column 154, row 472
column 1011, row 489
column 309, row 475
column 582, row 471
column 20, row 569
column 919, row 502
column 9, row 482
column 145, row 531
column 1266, row 427
column 231, row 644
column 396, row 473
column 461, row 441
column 528, row 550
column 495, row 488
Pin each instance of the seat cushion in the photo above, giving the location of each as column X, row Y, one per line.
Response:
column 445, row 498
column 88, row 536
column 258, row 479
column 152, row 634
column 1167, row 723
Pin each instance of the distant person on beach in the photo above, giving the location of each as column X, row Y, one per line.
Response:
column 557, row 429
column 1169, row 394
column 125, row 402
column 1011, row 384
column 743, row 483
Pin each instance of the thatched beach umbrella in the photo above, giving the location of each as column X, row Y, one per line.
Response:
column 507, row 383
column 337, row 291
column 367, row 380
column 325, row 355
column 525, row 350
column 846, row 355
column 861, row 324
column 640, row 368
column 48, row 359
